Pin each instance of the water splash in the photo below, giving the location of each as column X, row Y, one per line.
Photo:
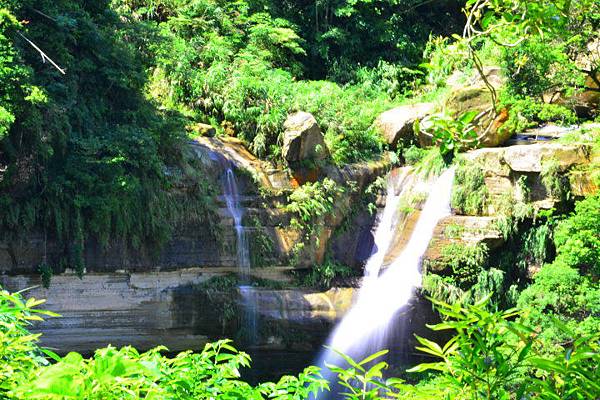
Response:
column 364, row 330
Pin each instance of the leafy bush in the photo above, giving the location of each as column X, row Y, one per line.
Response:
column 492, row 356
column 323, row 275
column 19, row 352
column 526, row 112
column 450, row 134
column 577, row 240
column 312, row 201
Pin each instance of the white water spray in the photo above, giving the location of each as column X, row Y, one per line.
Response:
column 364, row 329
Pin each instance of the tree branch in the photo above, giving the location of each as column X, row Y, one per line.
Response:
column 42, row 54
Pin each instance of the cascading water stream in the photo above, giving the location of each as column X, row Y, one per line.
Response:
column 249, row 305
column 364, row 329
column 232, row 199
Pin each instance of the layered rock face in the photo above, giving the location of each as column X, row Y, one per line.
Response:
column 146, row 297
column 177, row 309
column 526, row 177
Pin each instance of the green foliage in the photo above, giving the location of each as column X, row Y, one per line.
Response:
column 469, row 194
column 19, row 352
column 310, row 203
column 465, row 262
column 413, row 155
column 242, row 74
column 261, row 244
column 577, row 238
column 555, row 180
column 567, row 289
column 85, row 154
column 323, row 275
column 345, row 37
column 443, row 58
column 526, row 112
column 492, row 356
column 125, row 373
column 450, row 134
column 46, row 273
column 561, row 292
column 431, row 163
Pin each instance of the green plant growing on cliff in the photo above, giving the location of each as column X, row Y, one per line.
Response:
column 470, row 193
column 577, row 239
column 524, row 113
column 323, row 275
column 261, row 244
column 431, row 163
column 79, row 163
column 463, row 262
column 310, row 204
column 555, row 180
column 46, row 272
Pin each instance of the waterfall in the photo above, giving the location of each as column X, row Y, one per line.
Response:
column 247, row 292
column 232, row 199
column 384, row 293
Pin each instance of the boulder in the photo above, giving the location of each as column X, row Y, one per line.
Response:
column 303, row 139
column 462, row 231
column 397, row 124
column 479, row 99
column 460, row 79
column 470, row 93
column 529, row 158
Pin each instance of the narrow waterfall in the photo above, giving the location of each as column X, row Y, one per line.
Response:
column 232, row 199
column 383, row 294
column 247, row 293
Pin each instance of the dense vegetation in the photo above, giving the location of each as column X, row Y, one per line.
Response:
column 489, row 357
column 97, row 97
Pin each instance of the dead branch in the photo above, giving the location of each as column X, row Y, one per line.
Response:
column 42, row 54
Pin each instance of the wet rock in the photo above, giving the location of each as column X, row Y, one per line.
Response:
column 303, row 139
column 397, row 124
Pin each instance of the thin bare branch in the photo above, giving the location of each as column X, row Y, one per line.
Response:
column 42, row 54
